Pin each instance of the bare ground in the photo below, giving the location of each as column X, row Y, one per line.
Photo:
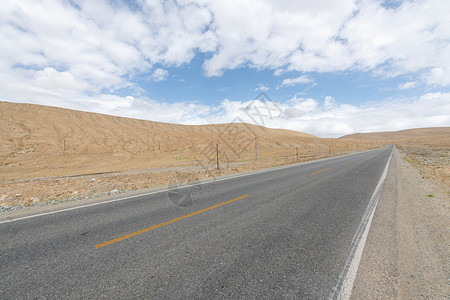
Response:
column 27, row 193
column 431, row 162
column 406, row 254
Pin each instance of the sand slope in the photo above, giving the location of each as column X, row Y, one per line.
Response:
column 41, row 141
column 433, row 136
column 49, row 147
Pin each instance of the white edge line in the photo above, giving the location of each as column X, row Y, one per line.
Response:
column 180, row 187
column 343, row 288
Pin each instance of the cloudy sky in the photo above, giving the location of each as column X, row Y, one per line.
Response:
column 326, row 67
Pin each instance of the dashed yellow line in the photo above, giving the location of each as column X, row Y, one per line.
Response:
column 347, row 162
column 124, row 237
column 320, row 171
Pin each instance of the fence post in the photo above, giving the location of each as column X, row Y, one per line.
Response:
column 256, row 148
column 217, row 156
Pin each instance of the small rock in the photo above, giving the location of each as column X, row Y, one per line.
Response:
column 114, row 191
column 92, row 179
column 18, row 195
column 35, row 199
column 3, row 197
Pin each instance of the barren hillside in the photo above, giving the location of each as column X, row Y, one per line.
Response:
column 38, row 141
column 434, row 136
column 427, row 148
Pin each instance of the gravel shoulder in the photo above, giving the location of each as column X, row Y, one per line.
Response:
column 406, row 254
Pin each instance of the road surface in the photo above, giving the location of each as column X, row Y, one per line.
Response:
column 283, row 233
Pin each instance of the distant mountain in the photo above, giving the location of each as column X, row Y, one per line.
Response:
column 433, row 136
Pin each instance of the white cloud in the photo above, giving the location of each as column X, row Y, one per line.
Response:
column 438, row 76
column 276, row 34
column 103, row 46
column 160, row 74
column 333, row 120
column 304, row 79
column 261, row 87
column 52, row 79
column 407, row 85
column 413, row 37
column 179, row 112
column 99, row 44
column 78, row 55
column 331, row 36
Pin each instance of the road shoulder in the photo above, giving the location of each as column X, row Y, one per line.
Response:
column 405, row 257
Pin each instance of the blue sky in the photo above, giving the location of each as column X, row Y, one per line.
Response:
column 329, row 67
column 352, row 87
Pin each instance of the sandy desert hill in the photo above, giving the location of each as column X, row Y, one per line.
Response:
column 50, row 147
column 38, row 141
column 433, row 136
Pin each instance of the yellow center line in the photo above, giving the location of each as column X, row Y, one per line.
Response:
column 320, row 171
column 124, row 237
column 348, row 161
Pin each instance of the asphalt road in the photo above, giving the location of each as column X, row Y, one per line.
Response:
column 283, row 233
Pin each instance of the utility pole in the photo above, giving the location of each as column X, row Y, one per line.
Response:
column 297, row 151
column 256, row 148
column 217, row 156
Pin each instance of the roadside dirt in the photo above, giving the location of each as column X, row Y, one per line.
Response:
column 431, row 162
column 406, row 254
column 26, row 193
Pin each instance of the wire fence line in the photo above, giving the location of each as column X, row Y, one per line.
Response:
column 320, row 148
